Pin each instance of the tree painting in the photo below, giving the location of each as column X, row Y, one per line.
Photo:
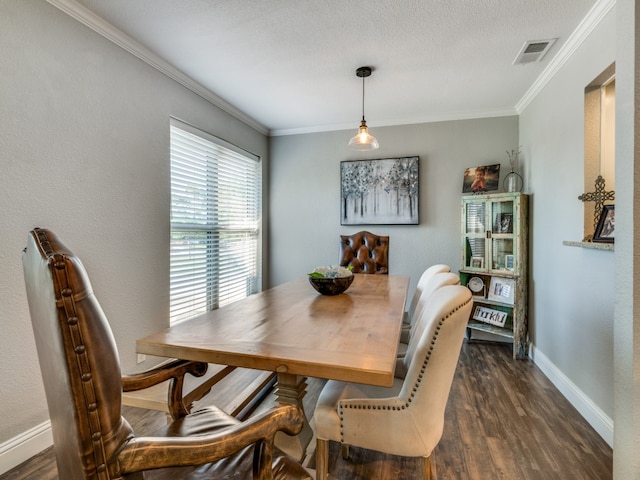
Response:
column 383, row 192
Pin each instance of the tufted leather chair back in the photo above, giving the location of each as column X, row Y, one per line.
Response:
column 78, row 360
column 365, row 252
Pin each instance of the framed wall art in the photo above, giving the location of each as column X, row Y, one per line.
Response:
column 606, row 229
column 379, row 192
column 481, row 179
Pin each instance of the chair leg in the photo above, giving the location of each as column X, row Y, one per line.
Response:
column 344, row 448
column 427, row 468
column 322, row 459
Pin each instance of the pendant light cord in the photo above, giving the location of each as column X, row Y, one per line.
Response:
column 363, row 97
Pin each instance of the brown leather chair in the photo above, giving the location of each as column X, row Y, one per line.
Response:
column 365, row 252
column 83, row 385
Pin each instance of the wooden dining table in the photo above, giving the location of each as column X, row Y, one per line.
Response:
column 293, row 330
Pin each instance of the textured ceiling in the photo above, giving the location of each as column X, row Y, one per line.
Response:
column 290, row 64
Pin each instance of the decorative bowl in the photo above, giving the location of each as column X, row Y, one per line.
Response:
column 331, row 286
column 331, row 280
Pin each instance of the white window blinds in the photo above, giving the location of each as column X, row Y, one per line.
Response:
column 215, row 213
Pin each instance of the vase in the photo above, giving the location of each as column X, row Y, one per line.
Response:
column 512, row 182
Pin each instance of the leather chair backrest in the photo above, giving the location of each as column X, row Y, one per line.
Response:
column 365, row 252
column 78, row 360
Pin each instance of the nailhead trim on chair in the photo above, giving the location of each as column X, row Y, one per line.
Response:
column 67, row 302
column 415, row 386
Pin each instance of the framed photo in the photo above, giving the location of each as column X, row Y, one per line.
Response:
column 477, row 262
column 481, row 179
column 509, row 262
column 502, row 290
column 606, row 229
column 380, row 192
column 503, row 223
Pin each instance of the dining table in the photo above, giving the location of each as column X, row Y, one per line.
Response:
column 296, row 332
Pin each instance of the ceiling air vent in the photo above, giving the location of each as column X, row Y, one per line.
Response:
column 533, row 51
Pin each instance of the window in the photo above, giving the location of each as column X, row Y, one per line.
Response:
column 215, row 213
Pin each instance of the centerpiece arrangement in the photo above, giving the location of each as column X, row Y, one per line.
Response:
column 332, row 280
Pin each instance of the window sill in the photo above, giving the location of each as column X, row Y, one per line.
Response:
column 590, row 245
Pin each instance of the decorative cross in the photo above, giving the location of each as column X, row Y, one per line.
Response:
column 599, row 196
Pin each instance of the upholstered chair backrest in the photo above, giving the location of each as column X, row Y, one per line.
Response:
column 365, row 252
column 431, row 361
column 78, row 360
column 422, row 283
column 419, row 321
column 437, row 281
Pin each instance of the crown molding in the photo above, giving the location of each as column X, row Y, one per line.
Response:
column 108, row 31
column 580, row 34
column 452, row 116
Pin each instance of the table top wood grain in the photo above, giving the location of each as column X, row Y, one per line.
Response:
column 293, row 329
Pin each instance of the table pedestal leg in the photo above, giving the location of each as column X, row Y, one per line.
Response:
column 291, row 389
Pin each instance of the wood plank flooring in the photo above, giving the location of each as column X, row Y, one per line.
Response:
column 504, row 420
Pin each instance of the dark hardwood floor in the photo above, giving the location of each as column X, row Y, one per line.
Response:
column 504, row 420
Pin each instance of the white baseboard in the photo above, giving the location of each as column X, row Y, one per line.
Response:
column 24, row 446
column 600, row 422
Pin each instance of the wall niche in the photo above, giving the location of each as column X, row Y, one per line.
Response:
column 599, row 142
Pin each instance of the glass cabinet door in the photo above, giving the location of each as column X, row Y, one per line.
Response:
column 475, row 234
column 502, row 253
column 489, row 235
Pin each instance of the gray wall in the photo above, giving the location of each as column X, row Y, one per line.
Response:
column 84, row 150
column 572, row 289
column 305, row 192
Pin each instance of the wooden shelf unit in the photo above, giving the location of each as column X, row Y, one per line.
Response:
column 495, row 235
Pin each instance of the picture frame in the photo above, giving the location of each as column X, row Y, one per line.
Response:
column 503, row 223
column 484, row 178
column 380, row 192
column 509, row 262
column 477, row 262
column 605, row 231
column 502, row 290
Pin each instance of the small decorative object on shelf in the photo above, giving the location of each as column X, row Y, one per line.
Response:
column 332, row 280
column 606, row 229
column 512, row 181
column 495, row 234
column 599, row 196
column 490, row 316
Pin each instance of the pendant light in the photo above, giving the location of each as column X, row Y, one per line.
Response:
column 363, row 139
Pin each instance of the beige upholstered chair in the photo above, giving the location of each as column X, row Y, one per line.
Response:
column 365, row 252
column 424, row 278
column 83, row 385
column 406, row 419
column 432, row 284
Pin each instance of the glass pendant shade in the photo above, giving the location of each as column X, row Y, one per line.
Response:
column 363, row 140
